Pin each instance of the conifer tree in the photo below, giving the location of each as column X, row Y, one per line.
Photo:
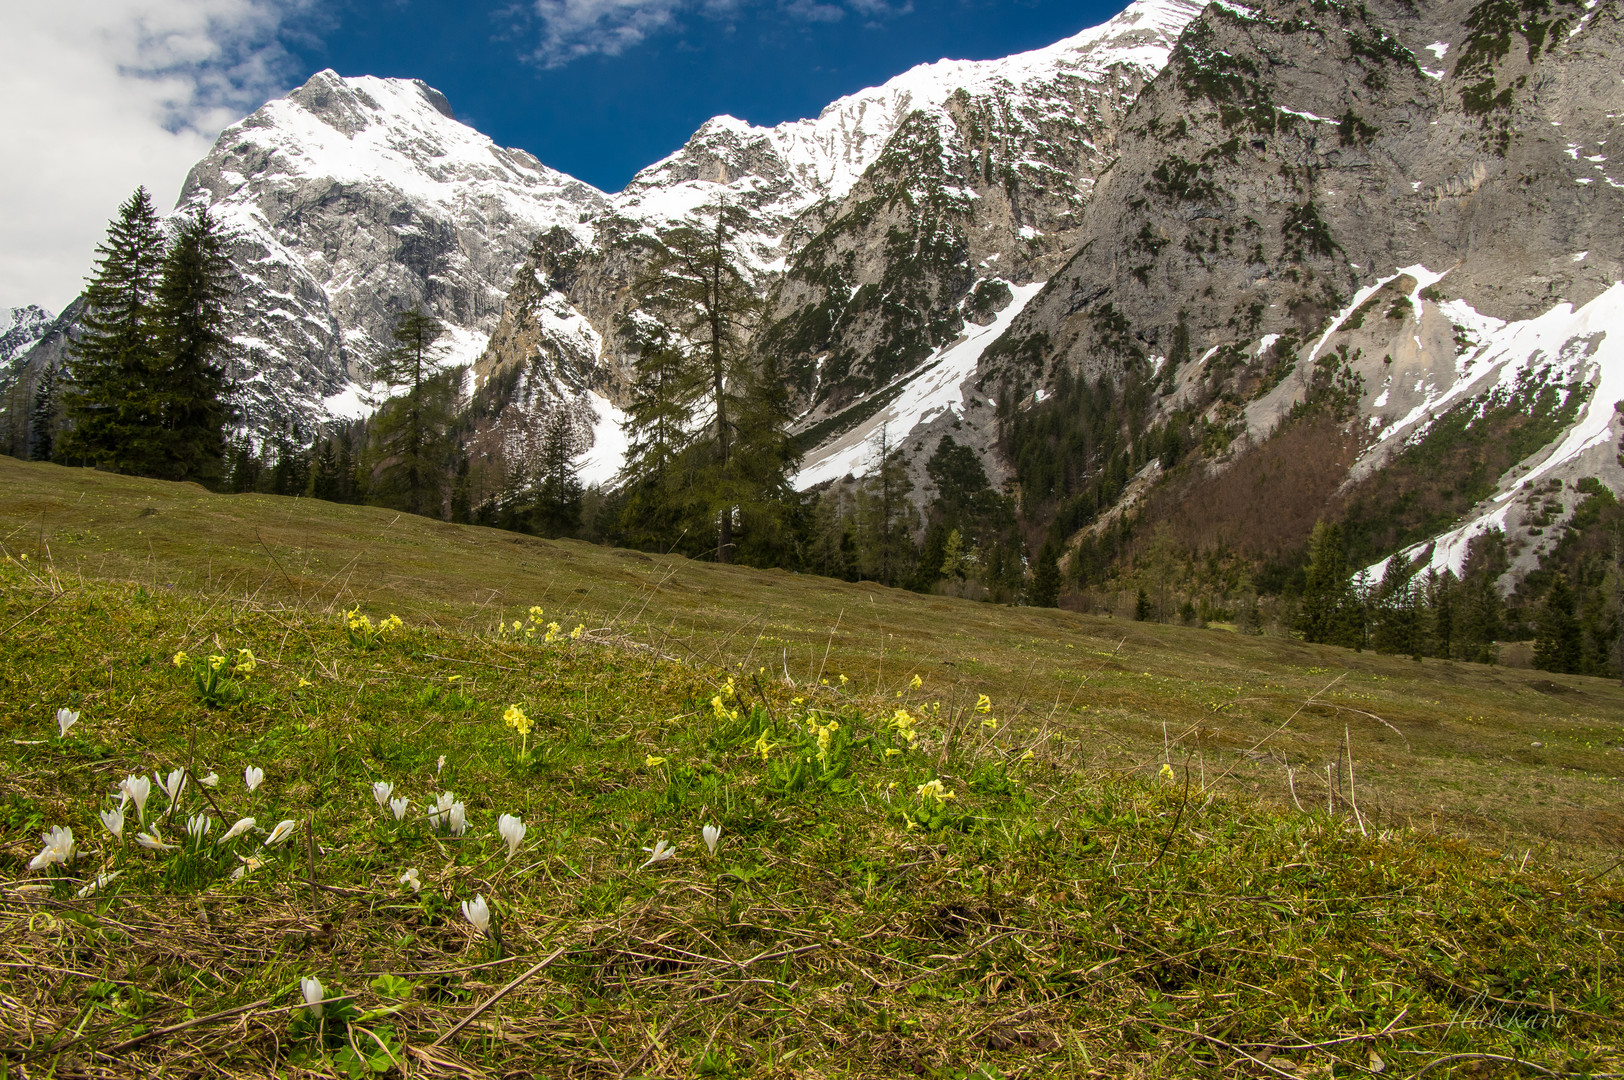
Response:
column 1557, row 647
column 1046, row 575
column 1330, row 612
column 112, row 414
column 42, row 417
column 885, row 516
column 565, row 434
column 696, row 312
column 411, row 428
column 187, row 381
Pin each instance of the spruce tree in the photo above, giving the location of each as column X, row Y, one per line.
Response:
column 113, row 416
column 42, row 417
column 1330, row 612
column 565, row 434
column 1046, row 575
column 1557, row 647
column 188, row 380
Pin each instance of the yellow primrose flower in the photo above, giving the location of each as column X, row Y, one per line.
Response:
column 216, row 663
column 391, row 623
column 515, row 718
column 181, row 659
column 983, row 704
column 763, row 747
column 553, row 633
column 1028, row 756
column 653, row 762
column 933, row 789
column 575, row 635
column 304, row 682
column 916, row 683
column 843, row 679
column 989, row 722
column 892, row 751
column 517, row 625
column 1167, row 771
column 535, row 613
column 245, row 662
column 797, row 701
column 453, row 678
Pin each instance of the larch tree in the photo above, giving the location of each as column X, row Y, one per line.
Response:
column 696, row 312
column 411, row 429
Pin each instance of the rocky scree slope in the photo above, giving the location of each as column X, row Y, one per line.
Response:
column 1400, row 215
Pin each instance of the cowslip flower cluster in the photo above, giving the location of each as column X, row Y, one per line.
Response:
column 934, row 790
column 903, row 724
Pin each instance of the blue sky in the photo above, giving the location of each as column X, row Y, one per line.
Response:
column 600, row 116
column 137, row 90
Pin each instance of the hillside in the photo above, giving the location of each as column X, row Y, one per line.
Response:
column 901, row 880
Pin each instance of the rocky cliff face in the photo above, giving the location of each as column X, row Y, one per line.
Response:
column 878, row 229
column 1409, row 206
column 353, row 200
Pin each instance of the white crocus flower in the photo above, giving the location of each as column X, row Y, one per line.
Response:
column 439, row 765
column 136, row 789
column 114, row 820
column 398, row 806
column 440, row 808
column 478, row 912
column 242, row 826
column 172, row 784
column 411, row 880
column 102, row 879
column 381, row 793
column 659, row 853
column 198, row 826
column 58, row 848
column 152, row 841
column 211, row 780
column 512, row 830
column 712, row 835
column 457, row 819
column 65, row 719
column 314, row 995
column 253, row 776
column 283, row 830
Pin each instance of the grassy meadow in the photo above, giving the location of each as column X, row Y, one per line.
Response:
column 955, row 840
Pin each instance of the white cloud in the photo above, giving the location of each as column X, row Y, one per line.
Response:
column 106, row 95
column 571, row 29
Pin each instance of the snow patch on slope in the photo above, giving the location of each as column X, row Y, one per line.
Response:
column 1563, row 345
column 937, row 387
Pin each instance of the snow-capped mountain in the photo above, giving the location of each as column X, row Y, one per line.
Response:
column 354, row 199
column 1014, row 145
column 20, row 327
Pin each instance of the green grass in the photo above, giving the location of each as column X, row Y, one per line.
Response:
column 1073, row 909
